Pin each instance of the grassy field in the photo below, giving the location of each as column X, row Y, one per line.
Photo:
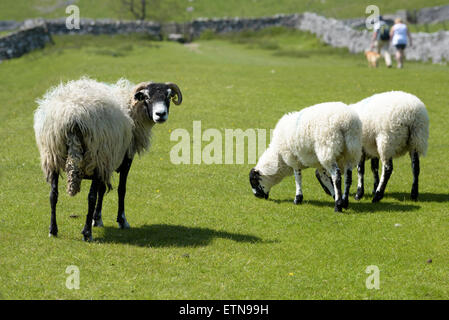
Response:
column 197, row 230
column 176, row 9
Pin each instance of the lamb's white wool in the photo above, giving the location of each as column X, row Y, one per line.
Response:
column 87, row 125
column 393, row 123
column 326, row 135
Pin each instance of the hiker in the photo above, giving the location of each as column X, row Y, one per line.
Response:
column 399, row 34
column 381, row 40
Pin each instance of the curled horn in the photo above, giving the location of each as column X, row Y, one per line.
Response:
column 176, row 92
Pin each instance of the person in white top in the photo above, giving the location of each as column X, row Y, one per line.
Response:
column 400, row 37
column 381, row 40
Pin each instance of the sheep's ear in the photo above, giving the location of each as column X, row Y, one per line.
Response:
column 139, row 96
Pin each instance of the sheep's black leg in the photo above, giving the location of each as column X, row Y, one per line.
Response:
column 375, row 170
column 336, row 180
column 348, row 182
column 318, row 175
column 97, row 220
column 415, row 168
column 298, row 180
column 124, row 169
column 360, row 178
column 53, row 201
column 92, row 200
column 387, row 169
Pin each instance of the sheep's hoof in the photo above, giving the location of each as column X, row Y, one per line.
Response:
column 298, row 199
column 345, row 203
column 414, row 195
column 122, row 222
column 53, row 231
column 97, row 222
column 378, row 196
column 359, row 195
column 124, row 225
column 87, row 236
column 338, row 206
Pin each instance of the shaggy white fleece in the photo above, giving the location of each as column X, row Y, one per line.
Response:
column 84, row 125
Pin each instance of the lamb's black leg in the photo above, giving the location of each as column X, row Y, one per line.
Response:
column 375, row 170
column 348, row 182
column 92, row 200
column 336, row 180
column 53, row 201
column 98, row 221
column 124, row 170
column 415, row 168
column 387, row 169
column 360, row 178
column 318, row 175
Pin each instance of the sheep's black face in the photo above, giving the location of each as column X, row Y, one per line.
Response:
column 255, row 181
column 156, row 97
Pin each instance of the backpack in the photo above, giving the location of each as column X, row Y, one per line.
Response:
column 384, row 32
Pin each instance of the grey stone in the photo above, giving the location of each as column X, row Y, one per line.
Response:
column 177, row 37
column 23, row 41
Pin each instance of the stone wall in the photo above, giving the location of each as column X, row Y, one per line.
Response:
column 7, row 25
column 427, row 47
column 238, row 24
column 432, row 47
column 23, row 41
column 433, row 15
column 423, row 16
column 105, row 26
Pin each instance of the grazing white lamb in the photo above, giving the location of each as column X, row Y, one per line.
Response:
column 394, row 123
column 326, row 136
column 90, row 129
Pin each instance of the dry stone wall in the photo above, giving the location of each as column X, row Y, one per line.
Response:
column 432, row 47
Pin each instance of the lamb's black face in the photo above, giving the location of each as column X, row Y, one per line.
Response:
column 156, row 97
column 254, row 180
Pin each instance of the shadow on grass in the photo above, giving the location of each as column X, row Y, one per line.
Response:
column 358, row 207
column 164, row 235
column 423, row 197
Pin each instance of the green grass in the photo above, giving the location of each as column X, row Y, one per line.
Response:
column 197, row 230
column 176, row 9
column 5, row 33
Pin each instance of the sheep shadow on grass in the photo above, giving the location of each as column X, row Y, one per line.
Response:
column 423, row 197
column 164, row 235
column 358, row 207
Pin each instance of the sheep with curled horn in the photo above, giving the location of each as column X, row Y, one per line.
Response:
column 90, row 129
